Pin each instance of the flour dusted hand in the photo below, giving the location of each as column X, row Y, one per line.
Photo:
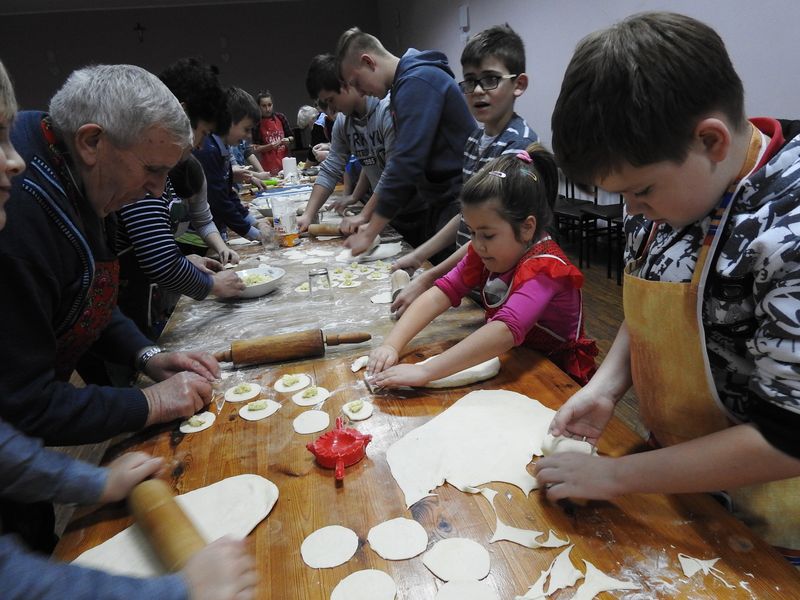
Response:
column 180, row 396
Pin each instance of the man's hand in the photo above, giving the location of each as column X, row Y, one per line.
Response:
column 304, row 220
column 227, row 284
column 227, row 255
column 350, row 225
column 359, row 242
column 205, row 264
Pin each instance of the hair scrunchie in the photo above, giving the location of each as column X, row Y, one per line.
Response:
column 524, row 156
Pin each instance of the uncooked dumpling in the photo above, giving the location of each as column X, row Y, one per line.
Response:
column 457, row 558
column 398, row 539
column 329, row 547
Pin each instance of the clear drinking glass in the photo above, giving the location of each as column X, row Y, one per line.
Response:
column 319, row 284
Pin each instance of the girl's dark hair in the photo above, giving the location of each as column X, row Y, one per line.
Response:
column 522, row 189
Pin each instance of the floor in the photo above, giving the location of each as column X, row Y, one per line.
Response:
column 602, row 306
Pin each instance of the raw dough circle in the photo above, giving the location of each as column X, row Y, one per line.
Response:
column 457, row 558
column 398, row 539
column 304, row 381
column 311, row 421
column 209, row 421
column 365, row 413
column 329, row 547
column 353, row 283
column 321, row 394
column 312, row 261
column 369, row 584
column 257, row 415
column 302, row 288
column 466, row 590
column 382, row 298
column 377, row 276
column 232, row 396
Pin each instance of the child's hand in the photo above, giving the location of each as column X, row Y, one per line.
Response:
column 223, row 570
column 400, row 375
column 409, row 261
column 573, row 475
column 381, row 358
column 126, row 471
column 585, row 414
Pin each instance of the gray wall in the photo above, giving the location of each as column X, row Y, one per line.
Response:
column 255, row 46
column 761, row 38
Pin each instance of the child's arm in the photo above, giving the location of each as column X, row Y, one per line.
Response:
column 445, row 237
column 735, row 457
column 489, row 341
column 426, row 308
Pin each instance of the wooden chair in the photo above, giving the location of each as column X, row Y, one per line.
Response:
column 611, row 215
column 569, row 215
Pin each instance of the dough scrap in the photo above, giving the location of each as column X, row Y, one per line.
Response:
column 208, row 421
column 329, row 547
column 523, row 537
column 488, row 435
column 562, row 574
column 466, row 590
column 257, row 415
column 382, row 298
column 691, row 565
column 231, row 395
column 302, row 398
column 304, row 381
column 369, row 584
column 233, row 506
column 480, row 372
column 365, row 412
column 311, row 421
column 242, row 242
column 595, row 581
column 398, row 539
column 457, row 558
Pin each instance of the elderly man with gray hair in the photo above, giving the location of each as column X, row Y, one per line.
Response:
column 112, row 134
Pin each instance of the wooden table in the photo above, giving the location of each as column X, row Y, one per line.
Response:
column 633, row 538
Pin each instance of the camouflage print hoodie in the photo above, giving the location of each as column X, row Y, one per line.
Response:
column 751, row 308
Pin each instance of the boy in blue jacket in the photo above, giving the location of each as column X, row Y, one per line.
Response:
column 432, row 124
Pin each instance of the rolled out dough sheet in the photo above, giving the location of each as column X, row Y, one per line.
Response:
column 457, row 558
column 480, row 372
column 233, row 506
column 488, row 435
column 369, row 584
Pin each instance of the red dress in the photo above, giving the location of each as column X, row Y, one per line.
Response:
column 271, row 130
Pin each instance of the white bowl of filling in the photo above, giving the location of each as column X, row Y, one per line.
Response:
column 260, row 281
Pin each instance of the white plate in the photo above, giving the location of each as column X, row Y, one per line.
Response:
column 261, row 289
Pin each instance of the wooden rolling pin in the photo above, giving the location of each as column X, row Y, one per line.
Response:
column 324, row 229
column 171, row 534
column 287, row 346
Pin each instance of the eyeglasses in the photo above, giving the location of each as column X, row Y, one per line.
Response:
column 487, row 82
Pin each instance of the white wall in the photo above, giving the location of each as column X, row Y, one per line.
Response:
column 761, row 38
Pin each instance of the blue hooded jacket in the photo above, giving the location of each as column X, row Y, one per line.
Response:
column 432, row 124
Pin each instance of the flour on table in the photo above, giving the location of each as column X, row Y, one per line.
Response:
column 329, row 547
column 488, row 435
column 291, row 382
column 369, row 584
column 197, row 423
column 457, row 558
column 480, row 372
column 311, row 421
column 398, row 539
column 310, row 396
column 466, row 590
column 382, row 298
column 691, row 565
column 249, row 413
column 233, row 506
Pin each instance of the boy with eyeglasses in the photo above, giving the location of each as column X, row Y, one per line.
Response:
column 493, row 63
column 432, row 123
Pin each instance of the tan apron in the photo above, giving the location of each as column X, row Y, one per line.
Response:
column 677, row 400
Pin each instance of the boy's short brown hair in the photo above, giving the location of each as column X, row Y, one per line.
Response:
column 500, row 42
column 633, row 93
column 355, row 41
